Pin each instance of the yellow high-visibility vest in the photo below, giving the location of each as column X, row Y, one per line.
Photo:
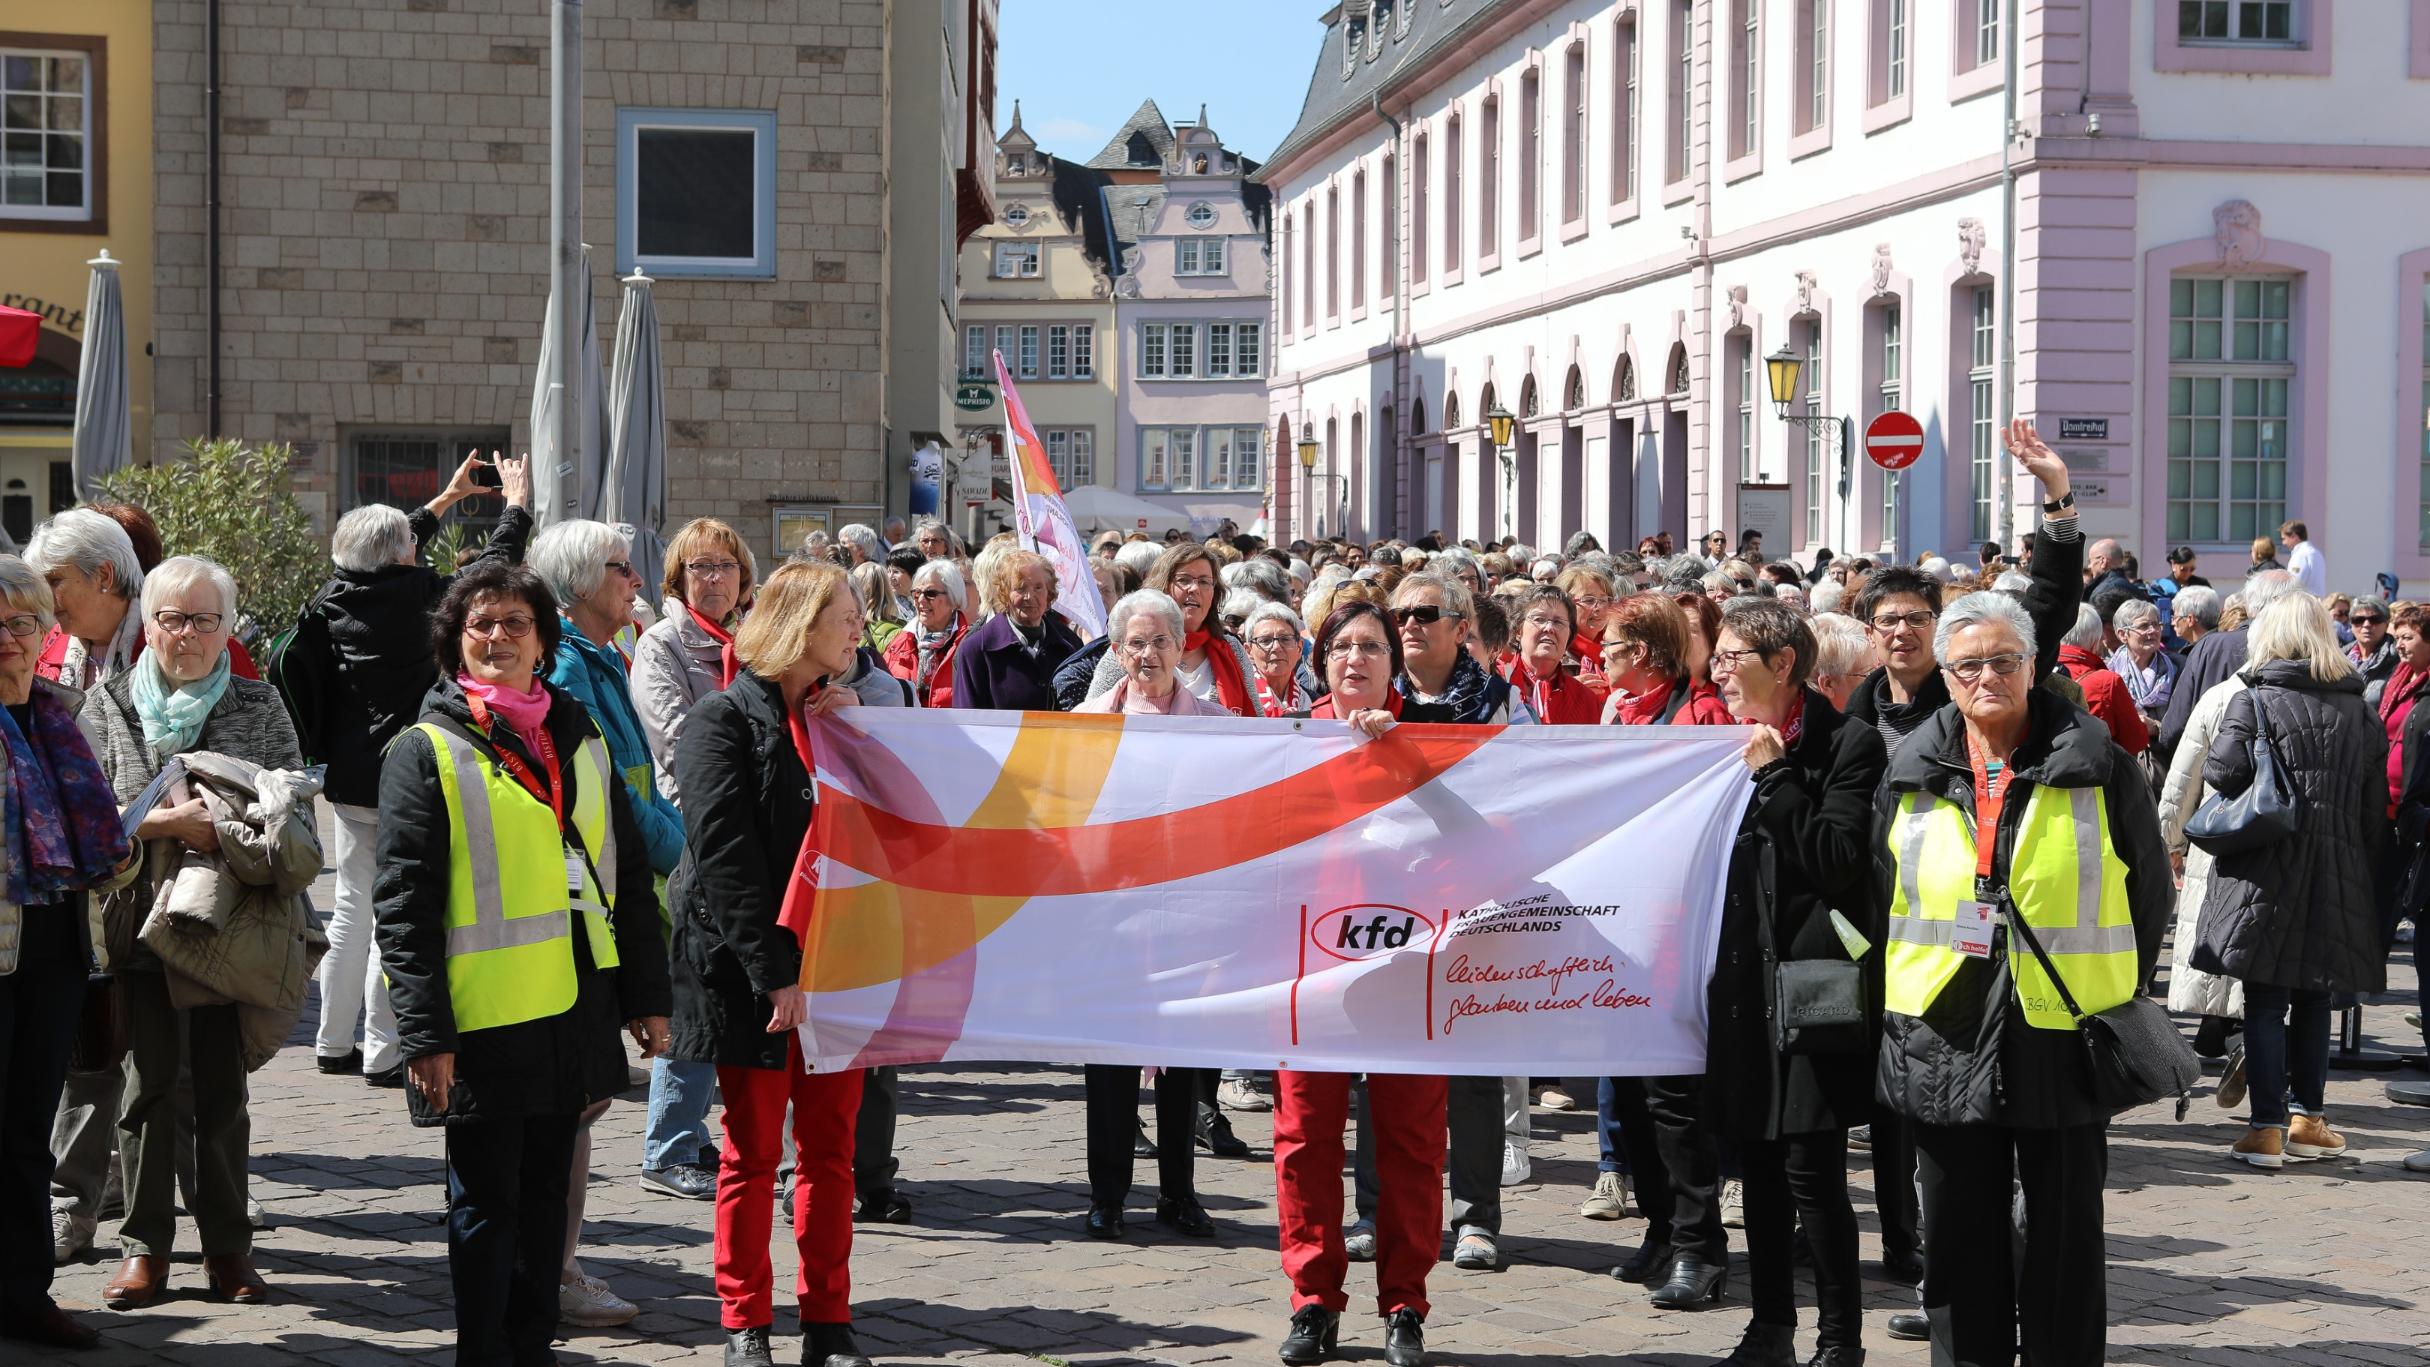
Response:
column 2064, row 879
column 510, row 948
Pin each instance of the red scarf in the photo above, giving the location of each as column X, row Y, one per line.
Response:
column 727, row 666
column 1272, row 706
column 2406, row 683
column 1323, row 711
column 1639, row 709
column 801, row 889
column 1795, row 726
column 1230, row 684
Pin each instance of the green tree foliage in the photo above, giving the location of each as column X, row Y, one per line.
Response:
column 230, row 502
column 451, row 547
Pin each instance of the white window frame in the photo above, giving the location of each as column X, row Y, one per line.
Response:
column 1626, row 35
column 1192, row 459
column 761, row 125
column 1084, row 351
column 1893, row 392
column 1679, row 155
column 1058, row 351
column 2251, row 389
column 1818, row 455
column 1981, row 412
column 2234, row 12
column 1199, row 215
column 1028, row 367
column 1017, row 216
column 92, row 163
column 974, row 350
column 1015, row 261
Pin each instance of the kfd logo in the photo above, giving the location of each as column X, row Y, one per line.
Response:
column 1380, row 932
column 1369, row 930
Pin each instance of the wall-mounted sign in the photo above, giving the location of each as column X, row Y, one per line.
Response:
column 2099, row 493
column 1894, row 440
column 2084, row 429
column 1764, row 509
column 2081, row 460
column 975, row 398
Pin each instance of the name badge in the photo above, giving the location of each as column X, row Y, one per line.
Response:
column 574, row 872
column 1972, row 935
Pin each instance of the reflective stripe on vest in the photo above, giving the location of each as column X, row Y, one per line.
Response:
column 509, row 917
column 2064, row 879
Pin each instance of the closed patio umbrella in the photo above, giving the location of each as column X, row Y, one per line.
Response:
column 635, row 488
column 104, row 439
column 566, row 484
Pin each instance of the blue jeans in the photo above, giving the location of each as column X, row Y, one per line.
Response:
column 2286, row 1062
column 677, row 1134
column 1609, row 1156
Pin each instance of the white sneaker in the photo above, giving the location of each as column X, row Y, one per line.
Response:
column 1733, row 1204
column 1242, row 1094
column 71, row 1235
column 1515, row 1167
column 1358, row 1242
column 1552, row 1098
column 1610, row 1198
column 586, row 1301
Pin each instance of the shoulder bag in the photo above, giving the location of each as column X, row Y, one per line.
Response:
column 2137, row 1055
column 2266, row 812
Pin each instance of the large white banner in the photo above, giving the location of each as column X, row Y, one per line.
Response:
column 1249, row 893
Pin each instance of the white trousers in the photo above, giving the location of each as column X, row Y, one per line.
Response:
column 350, row 977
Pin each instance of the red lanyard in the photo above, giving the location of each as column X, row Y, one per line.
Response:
column 554, row 793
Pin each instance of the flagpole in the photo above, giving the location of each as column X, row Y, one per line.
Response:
column 566, row 287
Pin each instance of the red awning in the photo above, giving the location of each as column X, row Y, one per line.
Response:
column 17, row 333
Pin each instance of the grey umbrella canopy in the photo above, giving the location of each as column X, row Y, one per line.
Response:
column 566, row 484
column 104, row 440
column 635, row 489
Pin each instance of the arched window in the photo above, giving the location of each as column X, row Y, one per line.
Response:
column 1573, row 393
column 1417, row 417
column 1527, row 397
column 1624, row 381
column 1451, row 413
column 1485, row 404
column 1678, row 368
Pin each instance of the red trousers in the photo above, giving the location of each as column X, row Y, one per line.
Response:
column 825, row 1106
column 1409, row 1113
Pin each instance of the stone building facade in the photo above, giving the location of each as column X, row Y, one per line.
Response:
column 384, row 181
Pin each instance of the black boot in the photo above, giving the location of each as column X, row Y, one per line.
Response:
column 1405, row 1339
column 1764, row 1345
column 1184, row 1215
column 1910, row 1327
column 1694, row 1284
column 1141, row 1145
column 1215, row 1134
column 1649, row 1265
column 831, row 1345
column 1315, row 1333
column 1838, row 1355
column 748, row 1347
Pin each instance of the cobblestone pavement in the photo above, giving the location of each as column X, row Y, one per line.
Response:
column 2210, row 1263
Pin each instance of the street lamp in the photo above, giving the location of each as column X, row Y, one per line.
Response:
column 1308, row 449
column 1498, row 423
column 1781, row 369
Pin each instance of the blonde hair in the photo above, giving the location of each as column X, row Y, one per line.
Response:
column 2296, row 628
column 876, row 595
column 1000, row 576
column 706, row 534
column 772, row 639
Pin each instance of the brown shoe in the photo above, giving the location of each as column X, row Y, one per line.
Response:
column 50, row 1326
column 2309, row 1136
column 138, row 1283
column 233, row 1278
column 2263, row 1146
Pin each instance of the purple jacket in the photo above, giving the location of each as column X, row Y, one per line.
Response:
column 993, row 673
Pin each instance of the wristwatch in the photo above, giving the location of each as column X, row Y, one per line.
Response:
column 2060, row 504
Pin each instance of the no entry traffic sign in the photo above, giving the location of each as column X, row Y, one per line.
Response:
column 1894, row 440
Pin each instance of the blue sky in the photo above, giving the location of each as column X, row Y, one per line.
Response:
column 1079, row 68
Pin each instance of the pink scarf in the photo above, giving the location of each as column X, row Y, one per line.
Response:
column 527, row 712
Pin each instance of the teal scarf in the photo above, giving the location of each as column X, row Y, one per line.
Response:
column 173, row 717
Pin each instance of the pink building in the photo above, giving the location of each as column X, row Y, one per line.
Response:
column 1602, row 216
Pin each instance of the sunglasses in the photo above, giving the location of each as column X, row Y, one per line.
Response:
column 2363, row 620
column 1424, row 614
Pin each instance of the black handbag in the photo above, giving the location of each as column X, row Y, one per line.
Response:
column 2266, row 812
column 1819, row 1006
column 2137, row 1055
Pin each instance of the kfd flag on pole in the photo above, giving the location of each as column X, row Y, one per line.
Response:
column 1042, row 520
column 1246, row 893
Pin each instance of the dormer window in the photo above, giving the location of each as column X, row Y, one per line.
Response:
column 1200, row 216
column 1198, row 164
column 1016, row 166
column 1017, row 216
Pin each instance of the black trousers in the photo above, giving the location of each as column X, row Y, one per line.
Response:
column 506, row 1181
column 1894, row 1183
column 38, row 1008
column 1982, row 1305
column 1673, row 1165
column 1113, row 1117
column 1793, row 1180
column 873, row 1162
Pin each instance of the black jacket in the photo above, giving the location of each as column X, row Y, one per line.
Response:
column 552, row 1066
column 2305, row 911
column 1801, row 851
column 1972, row 1059
column 2412, row 866
column 357, row 670
column 746, row 807
column 2210, row 663
column 1073, row 676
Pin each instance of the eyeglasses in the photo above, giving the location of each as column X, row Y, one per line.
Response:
column 1154, row 645
column 925, row 594
column 1343, row 650
column 1592, row 604
column 1968, row 671
column 1424, row 614
column 173, row 622
column 2363, row 620
column 623, row 567
column 2144, row 628
column 1728, row 661
column 1192, row 582
column 1545, row 623
column 710, row 569
column 23, row 625
column 1611, row 648
column 1891, row 621
column 1272, row 642
column 516, row 627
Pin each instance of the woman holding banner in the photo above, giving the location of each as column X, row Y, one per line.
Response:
column 1800, row 894
column 745, row 768
column 1214, row 667
column 1360, row 655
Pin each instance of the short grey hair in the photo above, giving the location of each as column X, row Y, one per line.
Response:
column 567, row 558
column 1455, row 594
column 1840, row 643
column 372, row 536
column 1274, row 612
column 1717, row 581
column 1155, row 602
column 945, row 575
column 1826, row 596
column 2265, row 588
column 2201, row 603
column 179, row 573
column 2086, row 633
column 1260, row 576
column 1241, row 602
column 2133, row 613
column 863, row 538
column 2012, row 581
column 1937, row 568
column 1977, row 609
column 2369, row 603
column 1770, row 626
column 1139, row 556
column 1456, row 558
column 26, row 590
column 82, row 540
column 927, row 524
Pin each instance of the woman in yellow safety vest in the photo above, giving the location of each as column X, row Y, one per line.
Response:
column 1978, row 1052
column 519, row 928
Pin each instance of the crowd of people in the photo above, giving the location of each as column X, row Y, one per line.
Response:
column 571, row 795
